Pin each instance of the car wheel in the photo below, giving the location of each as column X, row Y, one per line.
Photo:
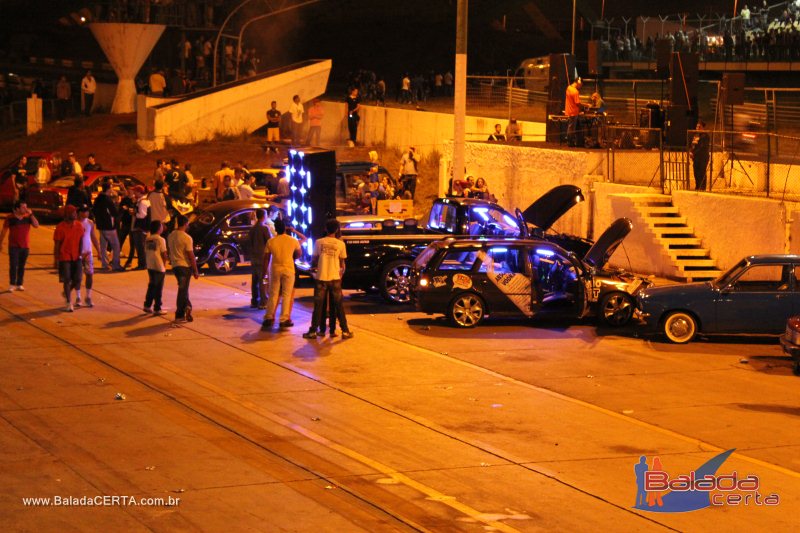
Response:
column 616, row 309
column 467, row 310
column 796, row 367
column 395, row 282
column 680, row 327
column 224, row 259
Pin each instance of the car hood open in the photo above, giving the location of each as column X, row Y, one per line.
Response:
column 607, row 243
column 552, row 205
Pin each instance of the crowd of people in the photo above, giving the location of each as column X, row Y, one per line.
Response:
column 410, row 88
column 757, row 34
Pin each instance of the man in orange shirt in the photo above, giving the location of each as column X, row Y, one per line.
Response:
column 67, row 253
column 572, row 108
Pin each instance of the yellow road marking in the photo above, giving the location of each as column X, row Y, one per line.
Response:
column 430, row 492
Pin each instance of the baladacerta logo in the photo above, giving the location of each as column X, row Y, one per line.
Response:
column 659, row 492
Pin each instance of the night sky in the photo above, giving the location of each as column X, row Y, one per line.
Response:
column 384, row 35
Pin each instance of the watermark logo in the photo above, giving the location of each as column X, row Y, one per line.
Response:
column 659, row 492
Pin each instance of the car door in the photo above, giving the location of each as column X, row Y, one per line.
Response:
column 238, row 233
column 506, row 280
column 758, row 301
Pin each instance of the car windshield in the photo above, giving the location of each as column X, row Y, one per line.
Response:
column 66, row 181
column 205, row 218
column 725, row 279
column 424, row 258
column 485, row 220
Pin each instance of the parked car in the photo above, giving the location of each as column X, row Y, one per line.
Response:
column 468, row 280
column 220, row 233
column 756, row 296
column 347, row 175
column 49, row 201
column 31, row 166
column 790, row 341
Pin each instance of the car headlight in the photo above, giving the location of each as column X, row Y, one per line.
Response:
column 423, row 282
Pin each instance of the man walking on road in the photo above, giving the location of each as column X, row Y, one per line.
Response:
column 17, row 225
column 67, row 253
column 184, row 266
column 258, row 236
column 88, row 242
column 105, row 215
column 328, row 260
column 280, row 254
column 155, row 249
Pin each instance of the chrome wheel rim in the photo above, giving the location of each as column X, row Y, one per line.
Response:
column 679, row 327
column 398, row 284
column 224, row 260
column 467, row 311
column 617, row 310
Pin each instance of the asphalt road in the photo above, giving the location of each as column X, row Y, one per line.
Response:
column 410, row 425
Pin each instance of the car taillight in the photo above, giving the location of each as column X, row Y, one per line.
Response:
column 62, row 198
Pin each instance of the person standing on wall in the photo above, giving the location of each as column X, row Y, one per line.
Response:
column 273, row 127
column 699, row 153
column 63, row 96
column 296, row 111
column 88, row 88
column 315, row 114
column 353, row 117
column 408, row 171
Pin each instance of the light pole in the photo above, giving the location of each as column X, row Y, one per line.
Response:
column 460, row 100
column 574, row 11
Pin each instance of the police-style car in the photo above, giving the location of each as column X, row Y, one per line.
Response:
column 470, row 279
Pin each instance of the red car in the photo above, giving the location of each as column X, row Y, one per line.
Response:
column 49, row 201
column 6, row 184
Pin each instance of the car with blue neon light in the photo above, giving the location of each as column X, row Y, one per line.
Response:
column 469, row 280
column 756, row 296
column 220, row 233
column 381, row 250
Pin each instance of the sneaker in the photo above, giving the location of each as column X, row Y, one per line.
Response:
column 310, row 335
column 12, row 288
column 267, row 323
column 88, row 303
column 347, row 334
column 147, row 310
column 350, row 144
column 77, row 302
column 159, row 312
column 69, row 308
column 180, row 319
column 286, row 324
column 189, row 317
column 334, row 334
column 20, row 288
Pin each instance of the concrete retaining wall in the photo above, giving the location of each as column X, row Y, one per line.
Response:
column 229, row 110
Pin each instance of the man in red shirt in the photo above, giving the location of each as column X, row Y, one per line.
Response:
column 572, row 108
column 17, row 225
column 67, row 252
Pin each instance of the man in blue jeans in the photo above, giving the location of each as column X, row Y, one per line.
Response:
column 328, row 261
column 184, row 266
column 18, row 225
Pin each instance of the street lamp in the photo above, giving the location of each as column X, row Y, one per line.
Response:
column 574, row 10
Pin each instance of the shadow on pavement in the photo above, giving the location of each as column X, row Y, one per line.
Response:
column 770, row 408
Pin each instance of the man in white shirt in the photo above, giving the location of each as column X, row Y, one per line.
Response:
column 297, row 111
column 155, row 249
column 184, row 266
column 328, row 261
column 158, row 204
column 88, row 88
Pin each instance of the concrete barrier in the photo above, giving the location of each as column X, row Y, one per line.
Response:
column 229, row 109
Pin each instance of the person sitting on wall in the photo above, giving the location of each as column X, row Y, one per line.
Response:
column 514, row 131
column 497, row 136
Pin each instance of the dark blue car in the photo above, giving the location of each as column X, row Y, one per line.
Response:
column 756, row 296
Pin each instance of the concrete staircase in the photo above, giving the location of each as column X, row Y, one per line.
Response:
column 691, row 261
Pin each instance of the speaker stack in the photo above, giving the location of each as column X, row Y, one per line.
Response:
column 682, row 112
column 312, row 184
column 732, row 88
